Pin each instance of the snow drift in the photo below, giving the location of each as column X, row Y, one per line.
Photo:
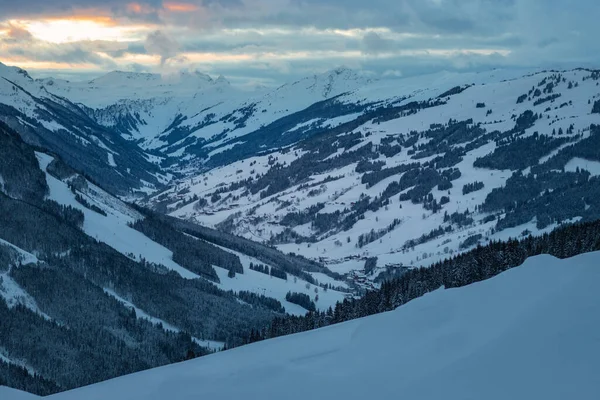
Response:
column 529, row 333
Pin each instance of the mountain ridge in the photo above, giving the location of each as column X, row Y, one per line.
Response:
column 358, row 150
column 320, row 191
column 88, row 279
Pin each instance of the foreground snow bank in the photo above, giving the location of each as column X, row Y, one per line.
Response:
column 12, row 394
column 530, row 333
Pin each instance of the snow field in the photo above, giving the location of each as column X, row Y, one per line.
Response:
column 524, row 334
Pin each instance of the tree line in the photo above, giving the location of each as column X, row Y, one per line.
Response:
column 481, row 263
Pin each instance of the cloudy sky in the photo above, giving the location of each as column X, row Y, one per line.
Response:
column 272, row 41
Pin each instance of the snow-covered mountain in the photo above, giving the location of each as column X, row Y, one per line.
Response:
column 318, row 190
column 341, row 168
column 410, row 171
column 527, row 333
column 89, row 280
column 176, row 115
column 53, row 122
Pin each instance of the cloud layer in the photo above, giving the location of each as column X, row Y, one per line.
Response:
column 269, row 41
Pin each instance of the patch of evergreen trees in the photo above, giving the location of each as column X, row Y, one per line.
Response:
column 196, row 255
column 264, row 269
column 277, row 273
column 470, row 241
column 261, row 301
column 293, row 264
column 366, row 238
column 81, row 200
column 520, row 153
column 301, row 299
column 476, row 265
column 472, row 187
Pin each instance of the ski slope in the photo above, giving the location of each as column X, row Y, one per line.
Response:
column 276, row 288
column 529, row 333
column 112, row 229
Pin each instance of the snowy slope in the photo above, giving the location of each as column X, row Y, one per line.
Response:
column 13, row 394
column 276, row 288
column 175, row 112
column 489, row 99
column 208, row 136
column 114, row 230
column 61, row 235
column 56, row 123
column 525, row 334
column 10, row 291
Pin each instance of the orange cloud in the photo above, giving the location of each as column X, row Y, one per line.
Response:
column 96, row 19
column 81, row 28
column 137, row 8
column 179, row 7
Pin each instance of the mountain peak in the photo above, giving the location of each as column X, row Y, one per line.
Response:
column 342, row 70
column 6, row 70
column 197, row 75
column 125, row 77
column 221, row 79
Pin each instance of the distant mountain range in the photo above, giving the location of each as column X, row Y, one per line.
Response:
column 336, row 167
column 151, row 218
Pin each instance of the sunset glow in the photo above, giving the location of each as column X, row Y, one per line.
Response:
column 87, row 28
column 253, row 37
column 180, row 7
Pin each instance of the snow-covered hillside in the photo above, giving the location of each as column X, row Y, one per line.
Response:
column 178, row 113
column 54, row 122
column 318, row 189
column 402, row 159
column 112, row 225
column 89, row 277
column 336, row 167
column 13, row 394
column 527, row 333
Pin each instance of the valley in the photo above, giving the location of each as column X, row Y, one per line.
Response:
column 151, row 219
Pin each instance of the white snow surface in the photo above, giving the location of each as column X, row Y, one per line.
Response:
column 593, row 167
column 13, row 295
column 112, row 229
column 111, row 160
column 259, row 218
column 13, row 394
column 529, row 333
column 269, row 286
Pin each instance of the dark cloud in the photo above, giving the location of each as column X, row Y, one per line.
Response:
column 18, row 34
column 20, row 44
column 290, row 38
column 159, row 43
column 22, row 8
column 373, row 43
